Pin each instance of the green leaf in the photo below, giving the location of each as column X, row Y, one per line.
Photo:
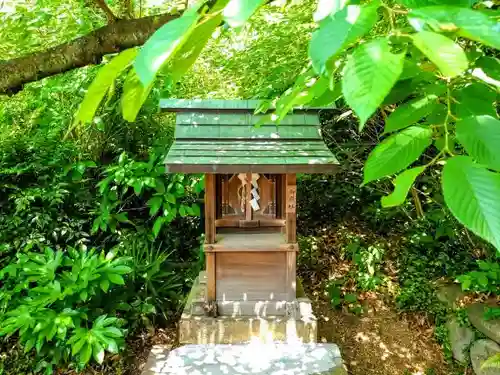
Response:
column 160, row 186
column 138, row 184
column 85, row 353
column 449, row 57
column 329, row 97
column 410, row 113
column 157, row 225
column 169, row 197
column 396, row 152
column 116, row 279
column 480, row 26
column 471, row 193
column 101, row 83
column 490, row 66
column 402, row 185
column 98, row 352
column 77, row 346
column 328, row 8
column 134, row 95
column 474, row 99
column 237, row 12
column 339, row 31
column 113, row 332
column 426, row 3
column 104, row 285
column 350, row 298
column 370, row 73
column 84, row 295
column 164, row 43
column 306, row 87
column 189, row 52
column 492, row 362
column 480, row 136
column 155, row 205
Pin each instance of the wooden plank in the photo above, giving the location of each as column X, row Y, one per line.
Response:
column 210, row 208
column 217, row 248
column 290, row 208
column 251, row 276
column 235, row 222
column 211, row 276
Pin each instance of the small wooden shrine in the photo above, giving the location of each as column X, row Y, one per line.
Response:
column 250, row 198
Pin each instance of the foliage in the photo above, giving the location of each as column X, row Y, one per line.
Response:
column 426, row 61
column 367, row 261
column 486, row 279
column 421, row 77
column 442, row 337
column 493, row 361
column 145, row 179
column 47, row 299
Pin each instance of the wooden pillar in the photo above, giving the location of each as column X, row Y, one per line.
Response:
column 290, row 208
column 289, row 192
column 210, row 209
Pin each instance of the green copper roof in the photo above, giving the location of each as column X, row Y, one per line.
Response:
column 221, row 137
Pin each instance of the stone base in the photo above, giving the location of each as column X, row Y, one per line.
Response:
column 254, row 359
column 296, row 322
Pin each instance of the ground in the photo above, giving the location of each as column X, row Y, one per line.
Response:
column 378, row 342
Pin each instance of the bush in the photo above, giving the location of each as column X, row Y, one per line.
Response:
column 49, row 300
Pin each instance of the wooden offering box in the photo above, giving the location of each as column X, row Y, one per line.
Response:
column 250, row 197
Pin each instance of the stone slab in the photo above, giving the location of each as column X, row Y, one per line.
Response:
column 460, row 339
column 491, row 328
column 480, row 351
column 228, row 330
column 450, row 295
column 253, row 358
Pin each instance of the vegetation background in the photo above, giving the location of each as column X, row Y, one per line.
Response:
column 99, row 247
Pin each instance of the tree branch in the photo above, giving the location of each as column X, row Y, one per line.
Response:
column 83, row 51
column 105, row 8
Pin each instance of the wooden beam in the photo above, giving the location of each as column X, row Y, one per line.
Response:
column 210, row 208
column 290, row 208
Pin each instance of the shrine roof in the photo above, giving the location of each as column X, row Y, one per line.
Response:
column 225, row 136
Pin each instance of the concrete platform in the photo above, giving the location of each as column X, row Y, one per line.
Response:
column 253, row 358
column 267, row 321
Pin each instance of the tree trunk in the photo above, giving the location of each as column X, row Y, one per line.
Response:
column 80, row 52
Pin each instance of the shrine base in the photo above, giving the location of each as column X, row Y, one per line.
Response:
column 296, row 324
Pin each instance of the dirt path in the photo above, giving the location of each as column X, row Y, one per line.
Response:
column 380, row 342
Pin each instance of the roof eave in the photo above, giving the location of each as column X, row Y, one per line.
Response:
column 255, row 168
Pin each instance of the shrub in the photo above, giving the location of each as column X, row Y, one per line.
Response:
column 48, row 301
